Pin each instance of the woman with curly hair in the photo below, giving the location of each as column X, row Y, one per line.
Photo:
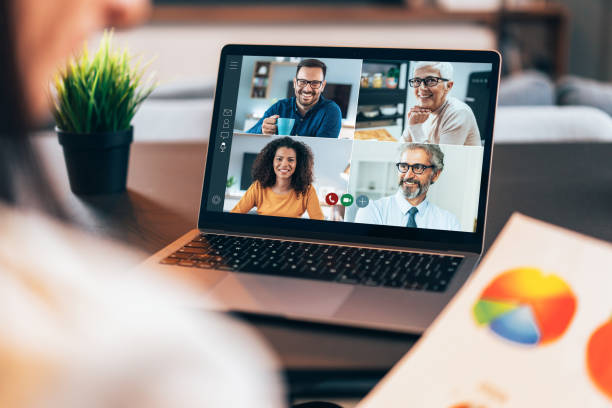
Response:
column 282, row 182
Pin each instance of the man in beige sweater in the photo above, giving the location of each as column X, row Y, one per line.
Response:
column 438, row 117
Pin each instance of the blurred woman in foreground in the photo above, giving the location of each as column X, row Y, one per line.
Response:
column 77, row 328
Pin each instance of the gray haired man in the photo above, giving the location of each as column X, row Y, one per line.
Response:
column 419, row 166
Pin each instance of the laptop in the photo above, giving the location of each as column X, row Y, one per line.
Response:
column 345, row 186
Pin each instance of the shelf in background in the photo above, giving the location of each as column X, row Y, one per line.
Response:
column 550, row 43
column 287, row 13
column 361, row 118
column 381, row 96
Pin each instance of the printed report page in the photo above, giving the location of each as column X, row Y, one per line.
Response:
column 531, row 328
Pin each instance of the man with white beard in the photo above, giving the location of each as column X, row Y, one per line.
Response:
column 419, row 166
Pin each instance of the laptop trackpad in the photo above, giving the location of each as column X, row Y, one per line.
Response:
column 281, row 296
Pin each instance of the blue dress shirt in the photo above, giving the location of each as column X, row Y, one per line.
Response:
column 322, row 120
column 393, row 210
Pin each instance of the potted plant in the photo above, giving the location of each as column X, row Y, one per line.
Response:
column 393, row 77
column 230, row 182
column 96, row 97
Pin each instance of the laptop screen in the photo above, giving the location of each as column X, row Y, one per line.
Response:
column 371, row 143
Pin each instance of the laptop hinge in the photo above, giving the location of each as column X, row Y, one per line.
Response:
column 342, row 243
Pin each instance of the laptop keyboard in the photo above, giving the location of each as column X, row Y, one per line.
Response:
column 361, row 266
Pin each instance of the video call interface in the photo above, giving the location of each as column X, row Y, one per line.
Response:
column 384, row 142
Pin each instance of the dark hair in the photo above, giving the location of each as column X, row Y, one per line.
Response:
column 19, row 169
column 263, row 170
column 312, row 63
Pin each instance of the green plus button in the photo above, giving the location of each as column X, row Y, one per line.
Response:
column 346, row 200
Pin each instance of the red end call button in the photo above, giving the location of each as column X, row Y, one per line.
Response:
column 331, row 198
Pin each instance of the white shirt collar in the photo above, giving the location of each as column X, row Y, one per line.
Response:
column 405, row 206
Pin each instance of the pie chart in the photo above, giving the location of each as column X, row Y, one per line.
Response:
column 599, row 358
column 526, row 306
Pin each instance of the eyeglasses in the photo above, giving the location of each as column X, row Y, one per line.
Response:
column 429, row 81
column 417, row 168
column 313, row 84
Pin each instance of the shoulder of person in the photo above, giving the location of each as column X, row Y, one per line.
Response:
column 255, row 185
column 329, row 104
column 310, row 192
column 457, row 111
column 127, row 306
column 375, row 210
column 279, row 104
column 257, row 190
column 368, row 213
column 383, row 202
column 285, row 101
column 457, row 106
column 440, row 213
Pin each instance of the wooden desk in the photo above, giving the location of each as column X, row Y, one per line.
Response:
column 566, row 184
column 161, row 204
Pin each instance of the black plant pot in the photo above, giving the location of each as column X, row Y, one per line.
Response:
column 97, row 163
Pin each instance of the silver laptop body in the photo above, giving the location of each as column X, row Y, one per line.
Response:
column 377, row 307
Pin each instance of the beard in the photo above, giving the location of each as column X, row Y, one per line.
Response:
column 314, row 99
column 421, row 188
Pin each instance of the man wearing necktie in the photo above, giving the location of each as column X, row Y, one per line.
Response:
column 419, row 166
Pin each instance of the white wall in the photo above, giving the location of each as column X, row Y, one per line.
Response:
column 246, row 104
column 457, row 189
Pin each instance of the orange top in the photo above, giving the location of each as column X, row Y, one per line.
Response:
column 280, row 205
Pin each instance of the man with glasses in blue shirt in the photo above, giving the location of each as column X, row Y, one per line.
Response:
column 438, row 117
column 314, row 115
column 419, row 166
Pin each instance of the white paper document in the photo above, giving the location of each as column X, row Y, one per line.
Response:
column 532, row 327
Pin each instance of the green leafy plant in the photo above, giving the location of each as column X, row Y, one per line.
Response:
column 230, row 181
column 393, row 72
column 100, row 93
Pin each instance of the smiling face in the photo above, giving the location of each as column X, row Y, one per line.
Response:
column 433, row 97
column 48, row 32
column 285, row 162
column 305, row 95
column 415, row 186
